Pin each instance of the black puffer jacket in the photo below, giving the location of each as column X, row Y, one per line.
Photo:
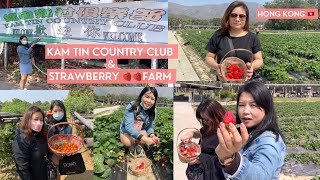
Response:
column 29, row 155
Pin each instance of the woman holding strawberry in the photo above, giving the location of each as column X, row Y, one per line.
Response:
column 205, row 167
column 57, row 114
column 234, row 34
column 137, row 126
column 259, row 152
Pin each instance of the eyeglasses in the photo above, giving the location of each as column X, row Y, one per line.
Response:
column 204, row 121
column 241, row 16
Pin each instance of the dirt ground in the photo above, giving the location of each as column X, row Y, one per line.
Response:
column 198, row 63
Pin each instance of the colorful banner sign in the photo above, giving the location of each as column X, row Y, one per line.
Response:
column 103, row 51
column 111, row 76
column 287, row 13
column 125, row 23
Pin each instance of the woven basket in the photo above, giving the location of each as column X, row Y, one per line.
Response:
column 61, row 138
column 137, row 160
column 180, row 144
column 236, row 61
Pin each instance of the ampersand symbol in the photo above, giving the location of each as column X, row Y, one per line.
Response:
column 111, row 64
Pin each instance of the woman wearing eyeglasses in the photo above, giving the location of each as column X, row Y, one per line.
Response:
column 209, row 113
column 234, row 27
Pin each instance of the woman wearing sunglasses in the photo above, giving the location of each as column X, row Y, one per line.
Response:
column 235, row 32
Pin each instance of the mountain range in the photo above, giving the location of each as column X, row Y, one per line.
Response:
column 208, row 11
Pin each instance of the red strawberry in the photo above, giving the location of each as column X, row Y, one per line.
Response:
column 229, row 118
column 137, row 76
column 141, row 166
column 127, row 76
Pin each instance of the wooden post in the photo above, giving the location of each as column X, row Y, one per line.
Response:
column 5, row 55
column 89, row 124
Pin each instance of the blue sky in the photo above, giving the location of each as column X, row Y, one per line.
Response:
column 33, row 95
column 203, row 2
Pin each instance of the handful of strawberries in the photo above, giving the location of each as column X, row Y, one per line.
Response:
column 233, row 71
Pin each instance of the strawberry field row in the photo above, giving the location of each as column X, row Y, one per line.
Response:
column 305, row 158
column 294, row 110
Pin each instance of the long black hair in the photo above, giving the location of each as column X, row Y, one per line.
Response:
column 61, row 105
column 20, row 44
column 262, row 97
column 151, row 111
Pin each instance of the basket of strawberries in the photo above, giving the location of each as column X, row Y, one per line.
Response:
column 65, row 144
column 234, row 68
column 188, row 149
column 140, row 165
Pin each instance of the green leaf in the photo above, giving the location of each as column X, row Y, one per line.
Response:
column 113, row 141
column 99, row 168
column 106, row 154
column 167, row 151
column 98, row 158
column 111, row 162
column 107, row 172
column 115, row 155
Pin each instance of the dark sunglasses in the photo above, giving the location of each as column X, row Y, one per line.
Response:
column 241, row 16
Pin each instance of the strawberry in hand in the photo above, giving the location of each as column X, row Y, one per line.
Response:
column 229, row 118
column 49, row 112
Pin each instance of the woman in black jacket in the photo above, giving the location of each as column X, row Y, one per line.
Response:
column 30, row 146
column 206, row 167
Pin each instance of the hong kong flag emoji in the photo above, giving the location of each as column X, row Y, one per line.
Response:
column 311, row 13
